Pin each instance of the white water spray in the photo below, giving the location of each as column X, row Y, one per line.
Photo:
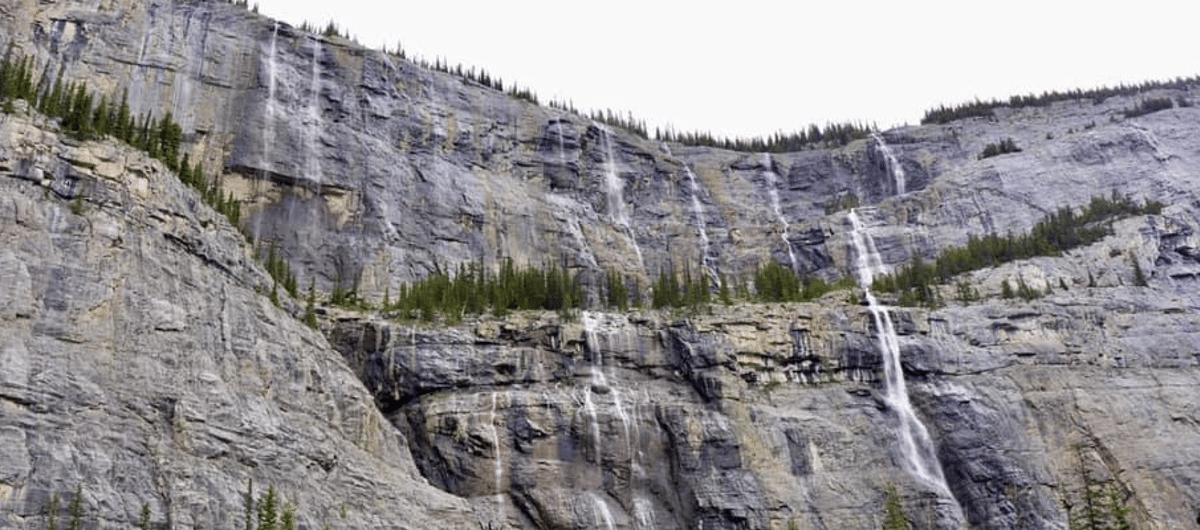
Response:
column 698, row 213
column 893, row 165
column 616, row 195
column 773, row 193
column 917, row 447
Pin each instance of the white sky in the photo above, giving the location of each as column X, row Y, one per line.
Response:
column 752, row 67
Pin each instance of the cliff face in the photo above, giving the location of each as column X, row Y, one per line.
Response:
column 142, row 361
column 142, row 364
column 764, row 417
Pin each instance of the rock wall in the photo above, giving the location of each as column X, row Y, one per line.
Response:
column 371, row 169
column 142, row 364
column 773, row 416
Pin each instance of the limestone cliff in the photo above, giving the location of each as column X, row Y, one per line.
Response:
column 141, row 360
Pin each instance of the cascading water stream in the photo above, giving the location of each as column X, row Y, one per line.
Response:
column 313, row 125
column 599, row 379
column 698, row 213
column 602, row 515
column 577, row 232
column 773, row 193
column 499, row 468
column 616, row 195
column 893, row 165
column 917, row 447
column 268, row 135
column 562, row 144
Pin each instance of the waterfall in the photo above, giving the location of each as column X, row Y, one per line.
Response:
column 773, row 193
column 919, row 456
column 499, row 468
column 268, row 130
column 893, row 165
column 599, row 379
column 602, row 516
column 614, row 190
column 643, row 513
column 698, row 213
column 624, row 405
column 577, row 232
column 313, row 125
column 562, row 144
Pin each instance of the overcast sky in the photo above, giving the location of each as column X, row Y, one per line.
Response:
column 752, row 67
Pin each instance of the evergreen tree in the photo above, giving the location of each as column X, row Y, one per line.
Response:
column 144, row 522
column 52, row 513
column 249, row 504
column 77, row 510
column 18, row 88
column 1006, row 290
column 124, row 122
column 617, row 295
column 198, row 178
column 52, row 103
column 894, row 517
column 185, row 171
column 100, row 117
column 65, row 106
column 5, row 75
column 1118, row 512
column 287, row 521
column 268, row 516
column 170, row 136
column 81, row 112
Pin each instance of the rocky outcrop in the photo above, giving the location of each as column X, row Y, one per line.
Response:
column 143, row 365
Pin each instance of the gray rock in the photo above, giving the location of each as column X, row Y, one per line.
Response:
column 142, row 363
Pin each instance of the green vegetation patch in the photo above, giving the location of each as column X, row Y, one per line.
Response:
column 1058, row 232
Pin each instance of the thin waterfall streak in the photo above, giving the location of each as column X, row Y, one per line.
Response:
column 614, row 192
column 499, row 468
column 562, row 144
column 313, row 129
column 701, row 221
column 268, row 137
column 894, row 168
column 773, row 194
